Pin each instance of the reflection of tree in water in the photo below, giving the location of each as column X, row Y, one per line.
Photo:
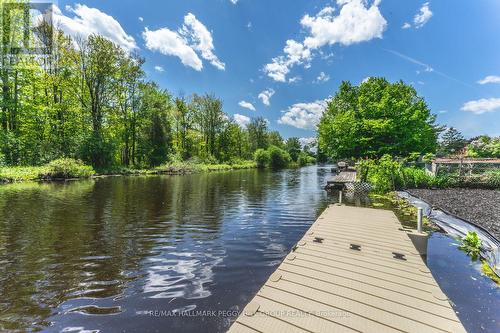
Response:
column 89, row 238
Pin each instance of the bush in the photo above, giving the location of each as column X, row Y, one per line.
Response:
column 305, row 159
column 261, row 157
column 278, row 158
column 66, row 168
column 471, row 244
column 387, row 175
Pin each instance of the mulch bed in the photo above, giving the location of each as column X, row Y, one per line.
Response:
column 479, row 206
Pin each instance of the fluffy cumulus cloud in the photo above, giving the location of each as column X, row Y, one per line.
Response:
column 188, row 43
column 311, row 142
column 241, row 120
column 159, row 69
column 322, row 77
column 355, row 22
column 303, row 115
column 247, row 105
column 201, row 40
column 86, row 21
column 423, row 16
column 169, row 42
column 481, row 106
column 265, row 96
column 490, row 79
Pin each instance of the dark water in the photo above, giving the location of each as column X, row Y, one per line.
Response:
column 476, row 298
column 128, row 254
column 124, row 253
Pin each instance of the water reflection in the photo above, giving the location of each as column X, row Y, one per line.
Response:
column 104, row 254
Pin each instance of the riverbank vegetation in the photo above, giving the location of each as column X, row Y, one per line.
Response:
column 391, row 133
column 374, row 119
column 87, row 103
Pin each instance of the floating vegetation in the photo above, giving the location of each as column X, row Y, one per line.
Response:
column 471, row 244
column 489, row 272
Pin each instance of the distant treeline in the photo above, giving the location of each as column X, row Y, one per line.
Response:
column 89, row 99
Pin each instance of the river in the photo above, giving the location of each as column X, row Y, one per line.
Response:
column 174, row 253
column 128, row 253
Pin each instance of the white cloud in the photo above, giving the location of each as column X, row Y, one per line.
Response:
column 294, row 79
column 87, row 21
column 366, row 79
column 159, row 69
column 490, row 79
column 234, row 2
column 249, row 25
column 266, row 95
column 304, row 115
column 169, row 42
column 322, row 77
column 354, row 23
column 191, row 38
column 481, row 106
column 406, row 25
column 141, row 18
column 241, row 120
column 312, row 142
column 422, row 17
column 201, row 40
column 247, row 105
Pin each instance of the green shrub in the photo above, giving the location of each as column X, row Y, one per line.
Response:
column 278, row 158
column 305, row 159
column 261, row 157
column 66, row 168
column 471, row 244
column 20, row 173
column 387, row 175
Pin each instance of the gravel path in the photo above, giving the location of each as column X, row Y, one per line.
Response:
column 479, row 206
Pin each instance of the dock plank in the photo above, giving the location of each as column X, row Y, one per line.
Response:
column 369, row 290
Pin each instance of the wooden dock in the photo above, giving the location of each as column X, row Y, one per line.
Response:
column 339, row 181
column 355, row 270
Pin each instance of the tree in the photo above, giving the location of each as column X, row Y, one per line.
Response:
column 98, row 63
column 127, row 83
column 257, row 133
column 278, row 158
column 274, row 138
column 451, row 143
column 155, row 136
column 484, row 146
column 294, row 148
column 210, row 120
column 374, row 119
column 183, row 123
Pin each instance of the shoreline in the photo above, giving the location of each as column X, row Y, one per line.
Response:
column 475, row 205
column 12, row 175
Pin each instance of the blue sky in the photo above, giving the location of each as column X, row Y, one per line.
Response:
column 294, row 54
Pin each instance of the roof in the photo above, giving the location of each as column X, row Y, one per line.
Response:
column 467, row 160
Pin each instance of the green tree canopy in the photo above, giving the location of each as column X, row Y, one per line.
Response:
column 294, row 148
column 376, row 118
column 452, row 142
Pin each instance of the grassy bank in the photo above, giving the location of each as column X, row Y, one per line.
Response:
column 70, row 169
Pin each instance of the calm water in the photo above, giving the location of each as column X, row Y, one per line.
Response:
column 126, row 254
column 111, row 254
